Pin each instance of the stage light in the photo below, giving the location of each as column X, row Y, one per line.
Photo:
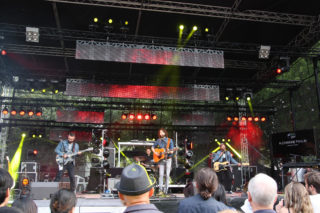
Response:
column 96, row 150
column 13, row 112
column 146, row 117
column 39, row 113
column 188, row 164
column 206, row 29
column 124, row 116
column 35, row 152
column 250, row 118
column 131, row 116
column 229, row 139
column 30, row 113
column 32, row 90
column 227, row 98
column 139, row 117
column 181, row 27
column 95, row 160
column 3, row 52
column 106, row 153
column 22, row 112
column 189, row 145
column 279, row 70
column 43, row 90
column 223, row 140
column 40, row 136
column 154, row 117
column 126, row 23
column 237, row 98
column 23, row 135
column 32, row 34
column 194, row 28
column 229, row 118
column 189, row 154
column 5, row 111
column 34, row 135
column 263, row 119
column 56, row 91
column 243, row 118
column 110, row 21
column 264, row 52
column 216, row 140
column 256, row 119
column 106, row 164
column 236, row 118
column 25, row 182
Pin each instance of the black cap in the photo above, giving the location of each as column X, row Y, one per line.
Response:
column 134, row 180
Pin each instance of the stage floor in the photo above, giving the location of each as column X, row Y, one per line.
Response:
column 89, row 203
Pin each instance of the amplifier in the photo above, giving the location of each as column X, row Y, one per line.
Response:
column 43, row 190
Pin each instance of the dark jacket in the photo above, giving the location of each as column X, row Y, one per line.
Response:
column 196, row 204
column 144, row 208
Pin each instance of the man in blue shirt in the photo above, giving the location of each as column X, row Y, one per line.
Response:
column 167, row 144
column 225, row 176
column 65, row 148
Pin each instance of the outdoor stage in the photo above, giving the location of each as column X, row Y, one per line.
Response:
column 89, row 203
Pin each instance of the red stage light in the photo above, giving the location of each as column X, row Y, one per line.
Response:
column 5, row 111
column 124, row 116
column 263, row 119
column 35, row 152
column 25, row 181
column 154, row 117
column 236, row 118
column 3, row 52
column 22, row 112
column 256, row 119
column 139, row 117
column 229, row 118
column 131, row 116
column 279, row 71
column 39, row 113
column 30, row 113
column 244, row 118
column 250, row 118
column 146, row 117
column 13, row 112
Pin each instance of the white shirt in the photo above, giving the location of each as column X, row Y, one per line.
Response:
column 315, row 201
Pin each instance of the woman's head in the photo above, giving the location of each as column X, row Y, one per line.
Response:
column 297, row 197
column 207, row 182
column 63, row 201
column 26, row 205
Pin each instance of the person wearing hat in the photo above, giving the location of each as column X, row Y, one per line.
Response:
column 224, row 157
column 135, row 188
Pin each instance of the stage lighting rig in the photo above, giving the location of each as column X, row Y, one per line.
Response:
column 264, row 52
column 32, row 34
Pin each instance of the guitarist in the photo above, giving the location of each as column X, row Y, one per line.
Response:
column 165, row 143
column 67, row 146
column 225, row 176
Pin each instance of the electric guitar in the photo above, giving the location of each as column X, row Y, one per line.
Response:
column 222, row 166
column 163, row 153
column 63, row 161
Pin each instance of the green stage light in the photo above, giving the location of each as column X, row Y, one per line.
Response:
column 206, row 29
column 194, row 28
column 110, row 21
column 181, row 27
column 95, row 20
column 23, row 135
column 126, row 23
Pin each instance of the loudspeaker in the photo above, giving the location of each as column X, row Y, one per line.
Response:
column 43, row 190
column 97, row 176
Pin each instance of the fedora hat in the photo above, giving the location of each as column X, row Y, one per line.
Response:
column 134, row 180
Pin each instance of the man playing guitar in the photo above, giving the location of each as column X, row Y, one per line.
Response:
column 162, row 150
column 64, row 147
column 224, row 175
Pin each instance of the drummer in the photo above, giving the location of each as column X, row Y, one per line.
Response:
column 148, row 158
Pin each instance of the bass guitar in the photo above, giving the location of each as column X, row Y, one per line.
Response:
column 222, row 166
column 63, row 161
column 163, row 153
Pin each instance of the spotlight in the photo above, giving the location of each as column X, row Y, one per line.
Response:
column 95, row 160
column 223, row 140
column 229, row 139
column 146, row 117
column 30, row 113
column 243, row 118
column 264, row 52
column 40, row 136
column 206, row 30
column 279, row 71
column 189, row 154
column 22, row 112
column 39, row 113
column 227, row 98
column 154, row 117
column 256, row 119
column 25, row 182
column 126, row 23
column 13, row 112
column 236, row 118
column 181, row 27
column 263, row 119
column 250, row 118
column 106, row 153
column 110, row 21
column 35, row 152
column 3, row 52
column 56, row 91
column 32, row 90
column 96, row 151
column 34, row 135
column 23, row 135
column 43, row 90
column 247, row 96
column 106, row 164
column 5, row 111
column 124, row 116
column 139, row 117
column 188, row 164
column 95, row 20
column 237, row 98
column 131, row 116
column 194, row 28
column 32, row 34
column 229, row 118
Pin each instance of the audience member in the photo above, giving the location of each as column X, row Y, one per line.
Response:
column 312, row 183
column 25, row 204
column 10, row 210
column 220, row 194
column 6, row 183
column 296, row 200
column 135, row 188
column 63, row 201
column 206, row 184
column 188, row 190
column 262, row 193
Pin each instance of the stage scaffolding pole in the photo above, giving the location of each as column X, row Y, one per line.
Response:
column 316, row 70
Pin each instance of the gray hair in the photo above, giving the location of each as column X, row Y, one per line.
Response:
column 263, row 189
